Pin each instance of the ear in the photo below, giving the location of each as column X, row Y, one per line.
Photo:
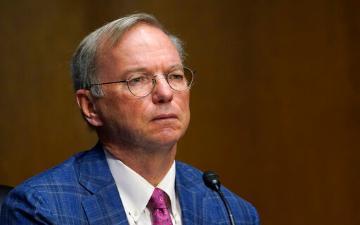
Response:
column 86, row 104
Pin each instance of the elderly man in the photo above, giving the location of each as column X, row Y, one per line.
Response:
column 133, row 90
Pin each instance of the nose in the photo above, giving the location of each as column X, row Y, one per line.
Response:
column 162, row 92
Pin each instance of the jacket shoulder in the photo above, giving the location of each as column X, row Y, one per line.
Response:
column 64, row 173
column 191, row 178
column 38, row 198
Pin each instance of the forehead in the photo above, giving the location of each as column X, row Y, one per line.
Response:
column 143, row 46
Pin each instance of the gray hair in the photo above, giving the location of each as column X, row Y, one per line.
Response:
column 83, row 64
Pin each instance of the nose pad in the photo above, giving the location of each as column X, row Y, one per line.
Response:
column 157, row 77
column 162, row 92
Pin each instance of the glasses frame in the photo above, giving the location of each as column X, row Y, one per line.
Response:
column 153, row 79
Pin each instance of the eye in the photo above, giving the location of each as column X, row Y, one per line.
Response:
column 138, row 80
column 176, row 76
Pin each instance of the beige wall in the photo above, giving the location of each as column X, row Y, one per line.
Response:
column 275, row 108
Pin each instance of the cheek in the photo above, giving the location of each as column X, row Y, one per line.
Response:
column 136, row 111
column 183, row 104
column 184, row 101
column 114, row 109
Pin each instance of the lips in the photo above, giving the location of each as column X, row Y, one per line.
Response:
column 165, row 117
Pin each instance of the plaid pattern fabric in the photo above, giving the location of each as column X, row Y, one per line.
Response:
column 82, row 191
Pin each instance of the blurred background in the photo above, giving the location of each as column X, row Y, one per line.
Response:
column 275, row 107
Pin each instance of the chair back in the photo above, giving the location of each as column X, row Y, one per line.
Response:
column 4, row 190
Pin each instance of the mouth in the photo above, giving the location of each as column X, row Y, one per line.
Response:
column 164, row 117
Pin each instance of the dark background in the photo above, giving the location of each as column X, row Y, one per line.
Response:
column 275, row 107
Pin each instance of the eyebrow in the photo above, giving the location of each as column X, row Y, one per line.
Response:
column 176, row 66
column 143, row 69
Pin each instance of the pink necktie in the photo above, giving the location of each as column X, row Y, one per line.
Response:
column 158, row 208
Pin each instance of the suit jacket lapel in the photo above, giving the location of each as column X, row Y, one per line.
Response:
column 190, row 197
column 104, row 205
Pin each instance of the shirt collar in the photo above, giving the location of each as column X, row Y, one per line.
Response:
column 135, row 191
column 167, row 184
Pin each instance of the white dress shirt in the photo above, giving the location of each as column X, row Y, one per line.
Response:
column 135, row 192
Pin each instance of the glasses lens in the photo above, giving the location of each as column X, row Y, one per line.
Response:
column 140, row 85
column 180, row 80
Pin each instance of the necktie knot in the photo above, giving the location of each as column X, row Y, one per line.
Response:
column 158, row 199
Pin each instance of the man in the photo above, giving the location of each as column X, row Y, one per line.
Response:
column 133, row 90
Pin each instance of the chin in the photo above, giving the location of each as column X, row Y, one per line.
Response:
column 167, row 137
column 166, row 134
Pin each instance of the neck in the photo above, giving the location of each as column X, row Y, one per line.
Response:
column 150, row 164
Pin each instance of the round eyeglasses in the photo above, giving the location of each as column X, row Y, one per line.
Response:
column 142, row 84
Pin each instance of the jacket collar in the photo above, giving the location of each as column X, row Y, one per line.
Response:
column 191, row 194
column 104, row 205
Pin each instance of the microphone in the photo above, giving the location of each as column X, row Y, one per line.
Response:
column 211, row 180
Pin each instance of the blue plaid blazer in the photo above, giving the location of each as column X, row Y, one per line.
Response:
column 82, row 191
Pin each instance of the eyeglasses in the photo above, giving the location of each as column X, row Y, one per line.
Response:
column 141, row 84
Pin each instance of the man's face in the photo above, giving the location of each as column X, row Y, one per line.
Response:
column 156, row 120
